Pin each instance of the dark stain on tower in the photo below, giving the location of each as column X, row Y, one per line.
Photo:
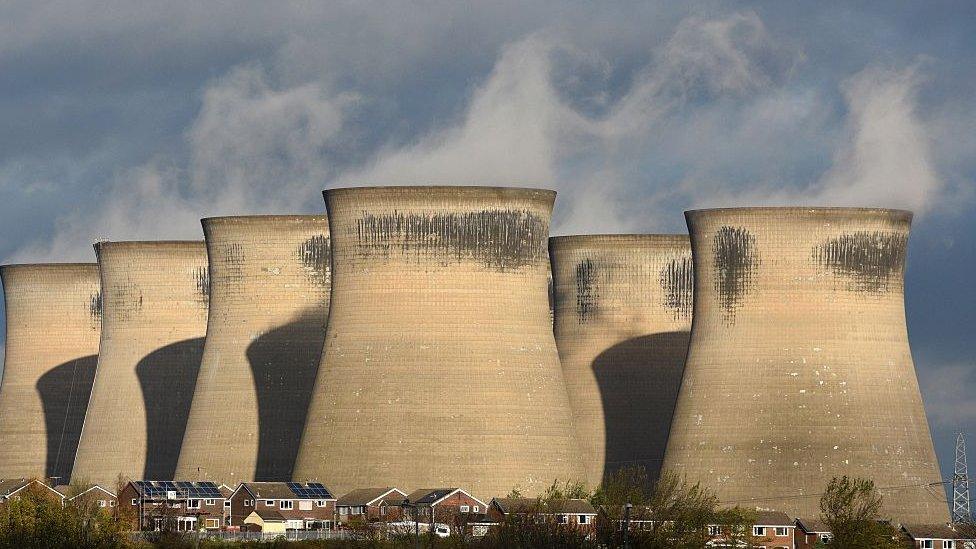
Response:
column 678, row 282
column 201, row 277
column 736, row 261
column 500, row 239
column 316, row 256
column 871, row 261
column 95, row 308
column 587, row 295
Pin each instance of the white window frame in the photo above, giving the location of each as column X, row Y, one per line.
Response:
column 248, row 503
column 343, row 510
column 321, row 503
column 583, row 519
column 927, row 544
column 192, row 504
column 562, row 519
column 286, row 504
column 759, row 531
column 135, row 501
column 714, row 530
column 948, row 544
column 210, row 502
column 269, row 503
column 216, row 523
column 101, row 503
column 226, row 503
column 781, row 531
column 111, row 503
column 464, row 509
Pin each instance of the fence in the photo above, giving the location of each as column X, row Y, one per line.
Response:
column 290, row 535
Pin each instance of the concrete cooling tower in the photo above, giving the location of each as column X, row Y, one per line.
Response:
column 154, row 318
column 53, row 323
column 799, row 368
column 269, row 299
column 440, row 367
column 623, row 314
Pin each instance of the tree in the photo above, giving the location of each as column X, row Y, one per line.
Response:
column 851, row 508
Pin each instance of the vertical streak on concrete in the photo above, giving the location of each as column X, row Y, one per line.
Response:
column 52, row 332
column 440, row 367
column 270, row 279
column 154, row 317
column 622, row 316
column 811, row 376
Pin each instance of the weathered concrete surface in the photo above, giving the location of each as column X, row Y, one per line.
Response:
column 440, row 367
column 623, row 307
column 269, row 278
column 154, row 317
column 53, row 325
column 799, row 368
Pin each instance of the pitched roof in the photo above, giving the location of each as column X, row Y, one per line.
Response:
column 368, row 496
column 225, row 490
column 523, row 505
column 268, row 515
column 89, row 489
column 812, row 526
column 428, row 496
column 772, row 518
column 930, row 531
column 9, row 486
column 280, row 490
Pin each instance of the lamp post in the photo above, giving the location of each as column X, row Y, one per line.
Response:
column 627, row 509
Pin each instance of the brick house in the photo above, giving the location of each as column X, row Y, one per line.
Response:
column 370, row 505
column 809, row 532
column 934, row 536
column 95, row 496
column 770, row 530
column 451, row 506
column 225, row 492
column 166, row 505
column 308, row 506
column 14, row 488
column 578, row 513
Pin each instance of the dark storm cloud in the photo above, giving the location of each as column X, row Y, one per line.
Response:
column 132, row 121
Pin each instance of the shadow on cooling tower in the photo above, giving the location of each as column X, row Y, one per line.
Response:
column 64, row 391
column 167, row 377
column 284, row 364
column 639, row 380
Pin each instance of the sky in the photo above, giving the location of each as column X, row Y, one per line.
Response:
column 127, row 120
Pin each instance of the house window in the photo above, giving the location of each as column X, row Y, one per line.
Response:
column 583, row 519
column 135, row 501
column 949, row 544
column 320, row 503
column 305, row 505
column 213, row 523
column 248, row 502
column 465, row 509
column 476, row 509
column 226, row 503
column 343, row 510
column 759, row 530
column 192, row 504
column 287, row 504
column 562, row 519
column 101, row 503
column 383, row 510
column 825, row 538
column 211, row 502
column 111, row 503
column 926, row 544
column 781, row 531
column 714, row 530
column 269, row 503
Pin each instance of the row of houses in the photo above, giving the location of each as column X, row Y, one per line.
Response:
column 282, row 506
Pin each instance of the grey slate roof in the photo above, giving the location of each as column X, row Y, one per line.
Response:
column 930, row 531
column 427, row 496
column 523, row 505
column 773, row 518
column 812, row 526
column 367, row 496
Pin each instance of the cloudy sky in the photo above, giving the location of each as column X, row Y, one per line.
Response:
column 132, row 121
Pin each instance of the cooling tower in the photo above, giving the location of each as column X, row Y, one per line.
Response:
column 269, row 299
column 799, row 368
column 440, row 367
column 154, row 318
column 623, row 314
column 53, row 323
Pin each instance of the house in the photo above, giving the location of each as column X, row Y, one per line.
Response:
column 308, row 506
column 370, row 505
column 94, row 496
column 14, row 488
column 269, row 521
column 809, row 532
column 443, row 505
column 573, row 512
column 933, row 536
column 225, row 492
column 770, row 530
column 166, row 505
